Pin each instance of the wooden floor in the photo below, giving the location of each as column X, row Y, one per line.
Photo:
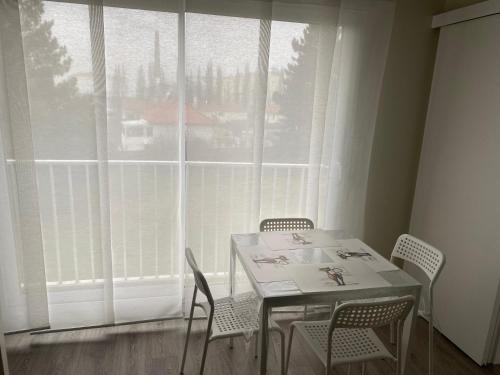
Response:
column 156, row 348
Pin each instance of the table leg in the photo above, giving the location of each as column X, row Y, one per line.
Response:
column 408, row 330
column 232, row 278
column 264, row 336
column 232, row 271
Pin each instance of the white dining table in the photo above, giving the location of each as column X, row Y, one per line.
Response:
column 282, row 292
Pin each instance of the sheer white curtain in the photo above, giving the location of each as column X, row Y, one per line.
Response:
column 22, row 275
column 98, row 82
column 358, row 68
column 128, row 126
column 289, row 93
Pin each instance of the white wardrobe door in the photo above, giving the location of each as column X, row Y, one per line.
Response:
column 457, row 200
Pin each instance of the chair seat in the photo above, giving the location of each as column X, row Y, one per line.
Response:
column 348, row 345
column 236, row 316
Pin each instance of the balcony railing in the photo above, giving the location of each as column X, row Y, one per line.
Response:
column 144, row 214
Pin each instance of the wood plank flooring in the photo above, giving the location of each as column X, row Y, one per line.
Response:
column 156, row 348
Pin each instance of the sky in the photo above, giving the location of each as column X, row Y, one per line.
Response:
column 229, row 42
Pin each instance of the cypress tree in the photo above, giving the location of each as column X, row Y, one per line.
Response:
column 140, row 86
column 209, row 83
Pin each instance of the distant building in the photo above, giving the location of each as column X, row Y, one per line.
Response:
column 136, row 134
column 84, row 82
column 147, row 122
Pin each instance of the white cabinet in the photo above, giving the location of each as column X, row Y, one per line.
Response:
column 457, row 198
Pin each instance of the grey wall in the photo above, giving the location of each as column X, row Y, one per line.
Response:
column 400, row 123
column 401, row 120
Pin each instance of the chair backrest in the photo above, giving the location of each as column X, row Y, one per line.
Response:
column 371, row 313
column 199, row 278
column 424, row 256
column 283, row 224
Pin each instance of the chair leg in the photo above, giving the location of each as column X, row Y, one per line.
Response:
column 188, row 333
column 256, row 354
column 431, row 344
column 399, row 367
column 282, row 339
column 349, row 367
column 392, row 337
column 305, row 312
column 363, row 368
column 290, row 338
column 186, row 346
column 207, row 340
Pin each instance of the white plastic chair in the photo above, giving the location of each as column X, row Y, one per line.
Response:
column 227, row 317
column 285, row 224
column 431, row 261
column 349, row 338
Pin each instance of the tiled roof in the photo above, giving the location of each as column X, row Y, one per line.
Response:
column 164, row 112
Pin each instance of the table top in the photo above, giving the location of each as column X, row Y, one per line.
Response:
column 292, row 258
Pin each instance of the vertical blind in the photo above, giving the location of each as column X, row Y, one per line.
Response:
column 132, row 129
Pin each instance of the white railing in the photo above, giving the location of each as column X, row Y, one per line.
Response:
column 144, row 214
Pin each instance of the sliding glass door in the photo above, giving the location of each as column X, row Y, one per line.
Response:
column 155, row 125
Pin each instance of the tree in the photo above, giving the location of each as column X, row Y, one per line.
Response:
column 161, row 88
column 123, row 83
column 209, row 83
column 189, row 90
column 118, row 90
column 156, row 56
column 119, row 82
column 199, row 89
column 162, row 85
column 151, row 91
column 236, row 88
column 245, row 94
column 226, row 92
column 297, row 94
column 157, row 83
column 46, row 61
column 59, row 112
column 140, row 86
column 295, row 100
column 218, row 85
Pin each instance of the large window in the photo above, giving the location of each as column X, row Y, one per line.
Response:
column 222, row 112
